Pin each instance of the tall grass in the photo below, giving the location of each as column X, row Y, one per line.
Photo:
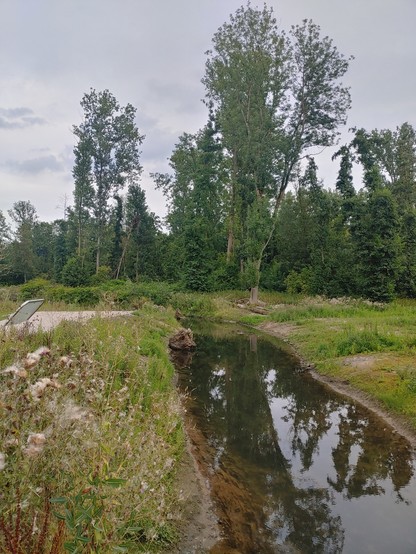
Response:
column 101, row 440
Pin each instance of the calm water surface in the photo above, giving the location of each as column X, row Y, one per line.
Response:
column 293, row 467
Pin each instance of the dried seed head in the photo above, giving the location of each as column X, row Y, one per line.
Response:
column 35, row 444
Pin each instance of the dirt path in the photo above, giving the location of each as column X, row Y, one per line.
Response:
column 48, row 320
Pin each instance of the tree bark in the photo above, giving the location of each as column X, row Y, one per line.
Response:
column 254, row 295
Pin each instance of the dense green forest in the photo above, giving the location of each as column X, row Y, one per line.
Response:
column 246, row 206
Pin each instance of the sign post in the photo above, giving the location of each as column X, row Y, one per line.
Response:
column 25, row 311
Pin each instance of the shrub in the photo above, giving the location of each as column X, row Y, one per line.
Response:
column 86, row 296
column 103, row 274
column 74, row 273
column 34, row 288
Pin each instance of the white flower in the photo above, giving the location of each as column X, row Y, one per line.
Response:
column 34, row 357
column 72, row 412
column 2, row 461
column 66, row 361
column 42, row 351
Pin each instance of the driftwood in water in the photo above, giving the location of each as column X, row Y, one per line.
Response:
column 182, row 340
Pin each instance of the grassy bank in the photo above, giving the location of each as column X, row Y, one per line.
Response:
column 90, row 424
column 90, row 436
column 370, row 346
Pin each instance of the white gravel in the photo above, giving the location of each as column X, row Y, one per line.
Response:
column 49, row 320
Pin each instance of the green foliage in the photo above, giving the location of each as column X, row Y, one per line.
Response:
column 299, row 282
column 377, row 239
column 252, row 319
column 193, row 304
column 368, row 339
column 344, row 308
column 74, row 273
column 35, row 288
column 106, row 158
column 102, row 275
column 263, row 83
column 195, row 193
column 84, row 296
column 112, row 399
column 84, row 515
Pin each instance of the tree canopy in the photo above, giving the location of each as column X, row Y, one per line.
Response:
column 246, row 205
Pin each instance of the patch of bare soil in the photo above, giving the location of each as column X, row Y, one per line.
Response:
column 199, row 529
column 280, row 330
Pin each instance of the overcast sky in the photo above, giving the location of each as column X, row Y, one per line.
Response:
column 151, row 53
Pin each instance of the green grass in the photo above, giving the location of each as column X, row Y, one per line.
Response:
column 109, row 434
column 335, row 335
column 126, row 421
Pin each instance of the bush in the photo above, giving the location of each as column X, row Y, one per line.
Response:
column 103, row 275
column 299, row 282
column 85, row 296
column 36, row 288
column 74, row 274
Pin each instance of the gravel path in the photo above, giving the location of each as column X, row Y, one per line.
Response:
column 49, row 320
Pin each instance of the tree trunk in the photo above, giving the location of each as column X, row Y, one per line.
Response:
column 79, row 238
column 97, row 258
column 230, row 244
column 254, row 295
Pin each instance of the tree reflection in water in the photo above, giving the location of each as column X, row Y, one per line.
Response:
column 264, row 504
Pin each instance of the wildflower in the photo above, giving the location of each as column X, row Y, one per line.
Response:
column 66, row 361
column 34, row 357
column 35, row 444
column 2, row 461
column 39, row 387
column 16, row 370
column 42, row 351
column 11, row 442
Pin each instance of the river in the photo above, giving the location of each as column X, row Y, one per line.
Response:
column 292, row 466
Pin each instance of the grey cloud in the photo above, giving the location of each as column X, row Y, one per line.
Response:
column 19, row 118
column 35, row 165
column 179, row 96
column 13, row 113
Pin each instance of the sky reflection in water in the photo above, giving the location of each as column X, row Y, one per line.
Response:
column 293, row 465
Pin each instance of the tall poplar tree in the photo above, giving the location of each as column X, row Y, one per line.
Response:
column 275, row 96
column 106, row 159
column 22, row 260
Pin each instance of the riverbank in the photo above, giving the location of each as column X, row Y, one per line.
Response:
column 361, row 349
column 341, row 385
